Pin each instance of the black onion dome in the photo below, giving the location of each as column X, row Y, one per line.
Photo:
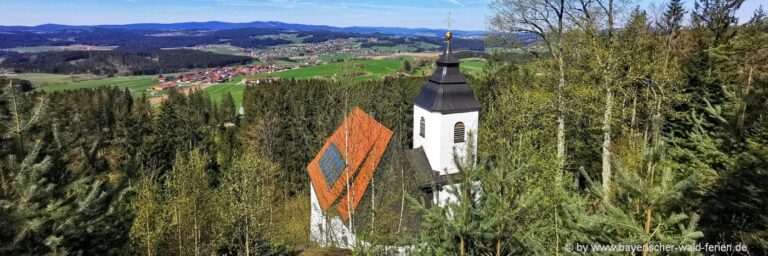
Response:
column 447, row 90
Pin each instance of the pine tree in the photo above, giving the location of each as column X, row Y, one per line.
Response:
column 24, row 203
column 672, row 19
column 19, row 125
column 227, row 108
column 649, row 192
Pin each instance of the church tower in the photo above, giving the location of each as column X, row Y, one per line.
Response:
column 445, row 115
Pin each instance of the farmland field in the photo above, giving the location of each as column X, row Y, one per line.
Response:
column 393, row 49
column 364, row 69
column 328, row 58
column 224, row 49
column 133, row 83
column 469, row 66
column 218, row 91
column 370, row 69
column 472, row 65
column 43, row 79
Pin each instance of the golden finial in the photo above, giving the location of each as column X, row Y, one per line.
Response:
column 448, row 20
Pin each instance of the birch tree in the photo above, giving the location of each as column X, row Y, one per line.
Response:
column 547, row 20
column 596, row 19
column 248, row 189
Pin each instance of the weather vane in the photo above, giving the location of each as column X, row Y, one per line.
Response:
column 448, row 21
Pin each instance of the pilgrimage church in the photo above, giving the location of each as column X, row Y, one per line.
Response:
column 445, row 123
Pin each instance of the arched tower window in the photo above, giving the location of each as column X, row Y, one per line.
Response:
column 458, row 132
column 422, row 127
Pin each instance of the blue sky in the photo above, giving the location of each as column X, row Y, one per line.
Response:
column 467, row 14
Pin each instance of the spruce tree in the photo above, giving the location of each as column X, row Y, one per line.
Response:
column 672, row 18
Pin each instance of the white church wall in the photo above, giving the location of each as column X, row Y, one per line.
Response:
column 438, row 141
column 447, row 162
column 327, row 231
column 433, row 132
column 448, row 194
column 334, row 233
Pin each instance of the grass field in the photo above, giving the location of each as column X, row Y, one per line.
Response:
column 329, row 58
column 472, row 65
column 218, row 91
column 44, row 79
column 224, row 49
column 392, row 49
column 133, row 83
column 370, row 69
column 469, row 66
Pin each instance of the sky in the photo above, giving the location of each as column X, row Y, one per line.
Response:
column 466, row 14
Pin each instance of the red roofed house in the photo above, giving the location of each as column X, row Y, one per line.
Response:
column 164, row 86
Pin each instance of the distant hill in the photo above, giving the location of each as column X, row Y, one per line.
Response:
column 217, row 25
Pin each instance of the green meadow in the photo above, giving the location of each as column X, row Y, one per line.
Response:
column 44, row 79
column 472, row 65
column 365, row 69
column 133, row 83
column 218, row 91
column 360, row 69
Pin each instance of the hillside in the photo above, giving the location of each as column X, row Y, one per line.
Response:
column 217, row 25
column 117, row 62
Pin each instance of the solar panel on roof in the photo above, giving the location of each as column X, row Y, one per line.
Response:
column 331, row 164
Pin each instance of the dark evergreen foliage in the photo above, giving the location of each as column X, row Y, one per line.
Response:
column 119, row 62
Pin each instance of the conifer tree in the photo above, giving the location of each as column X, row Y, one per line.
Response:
column 20, row 124
column 649, row 192
column 672, row 18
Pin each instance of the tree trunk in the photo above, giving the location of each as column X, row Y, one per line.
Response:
column 149, row 250
column 634, row 117
column 498, row 246
column 196, row 236
column 743, row 115
column 606, row 172
column 648, row 215
column 247, row 238
column 178, row 229
column 402, row 199
column 462, row 250
column 373, row 204
column 560, row 117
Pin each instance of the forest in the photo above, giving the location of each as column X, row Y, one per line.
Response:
column 149, row 40
column 118, row 62
column 633, row 128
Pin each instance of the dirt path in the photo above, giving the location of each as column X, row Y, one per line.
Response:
column 186, row 90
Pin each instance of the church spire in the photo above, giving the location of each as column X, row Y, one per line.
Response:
column 447, row 91
column 448, row 37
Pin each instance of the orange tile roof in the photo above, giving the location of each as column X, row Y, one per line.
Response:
column 360, row 142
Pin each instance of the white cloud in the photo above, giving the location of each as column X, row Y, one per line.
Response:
column 456, row 2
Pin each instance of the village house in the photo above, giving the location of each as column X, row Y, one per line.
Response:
column 163, row 86
column 258, row 80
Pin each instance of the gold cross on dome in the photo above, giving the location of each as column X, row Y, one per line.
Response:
column 448, row 20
